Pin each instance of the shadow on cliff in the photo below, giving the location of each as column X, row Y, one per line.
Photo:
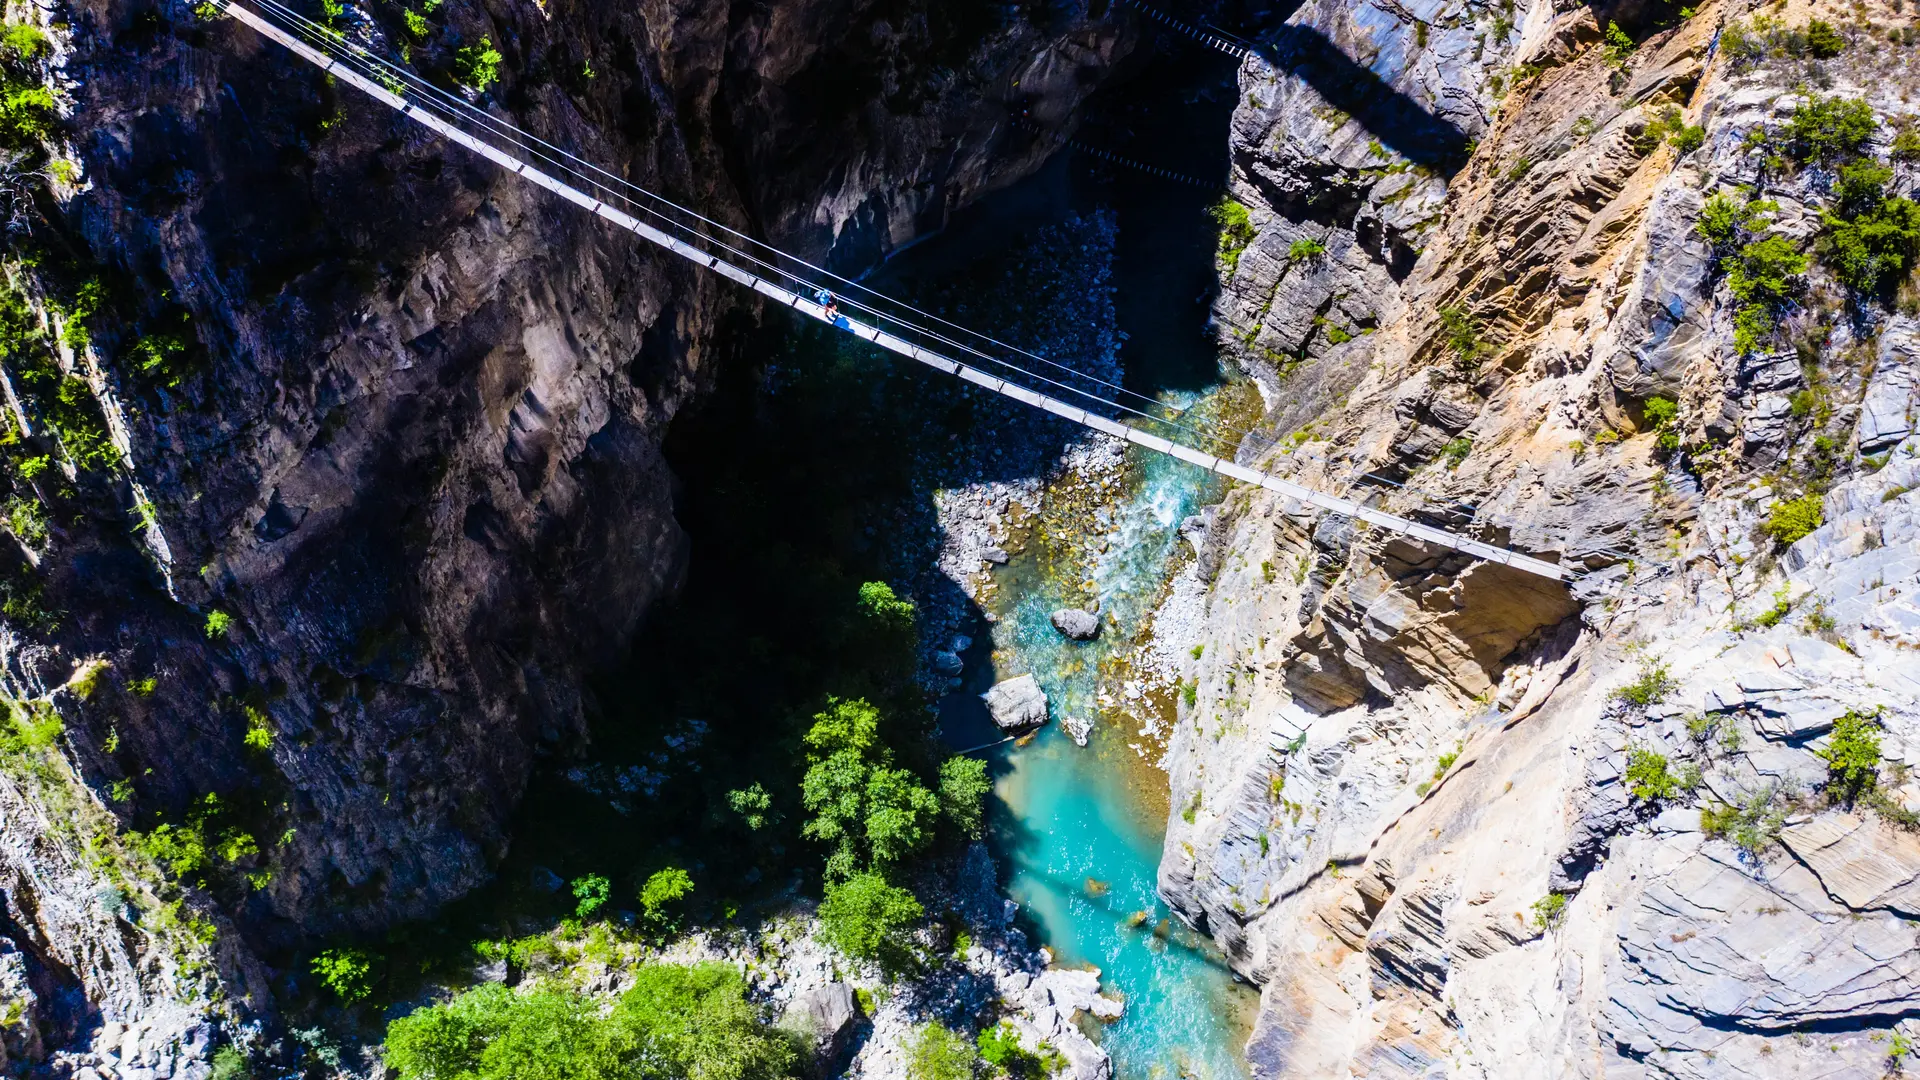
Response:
column 1399, row 122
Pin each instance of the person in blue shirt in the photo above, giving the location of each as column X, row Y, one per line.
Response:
column 827, row 300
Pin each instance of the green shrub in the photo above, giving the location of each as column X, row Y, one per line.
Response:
column 661, row 895
column 1791, row 519
column 675, row 1021
column 1906, row 145
column 591, row 893
column 1823, row 40
column 259, row 734
column 230, row 1064
column 1236, row 229
column 868, row 919
column 1873, row 239
column 754, row 805
column 1307, row 248
column 1753, row 825
column 1663, row 414
column 1670, row 125
column 219, row 624
column 1763, row 270
column 935, row 1053
column 348, row 973
column 1852, row 755
column 1550, row 911
column 869, row 813
column 1618, row 46
column 1652, row 686
column 999, row 1046
column 1462, row 333
column 477, row 66
column 1456, row 451
column 1727, row 222
column 26, row 519
column 1826, row 130
column 28, row 728
column 1647, row 775
column 964, row 785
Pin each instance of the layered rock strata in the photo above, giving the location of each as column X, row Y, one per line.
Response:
column 1461, row 822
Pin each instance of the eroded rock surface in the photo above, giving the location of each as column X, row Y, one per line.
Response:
column 1459, row 824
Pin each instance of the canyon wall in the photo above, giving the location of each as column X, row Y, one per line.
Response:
column 387, row 481
column 1457, row 820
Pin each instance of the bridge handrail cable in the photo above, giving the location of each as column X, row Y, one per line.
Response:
column 600, row 179
column 374, row 76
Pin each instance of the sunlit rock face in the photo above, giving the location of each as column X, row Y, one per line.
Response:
column 1465, row 823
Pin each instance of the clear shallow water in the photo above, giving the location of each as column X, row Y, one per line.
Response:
column 1077, row 831
column 1080, row 828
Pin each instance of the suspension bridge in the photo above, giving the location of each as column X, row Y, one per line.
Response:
column 791, row 282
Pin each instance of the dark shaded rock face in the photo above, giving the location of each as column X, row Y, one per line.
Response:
column 415, row 452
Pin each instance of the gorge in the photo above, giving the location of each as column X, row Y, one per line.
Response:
column 444, row 635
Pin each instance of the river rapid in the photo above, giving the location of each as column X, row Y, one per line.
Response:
column 1078, row 829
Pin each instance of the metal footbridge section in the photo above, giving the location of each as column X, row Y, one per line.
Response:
column 791, row 282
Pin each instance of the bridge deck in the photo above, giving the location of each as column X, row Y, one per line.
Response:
column 878, row 336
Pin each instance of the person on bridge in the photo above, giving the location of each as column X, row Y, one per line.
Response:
column 832, row 305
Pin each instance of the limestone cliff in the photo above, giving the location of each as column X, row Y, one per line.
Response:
column 1458, row 821
column 386, row 480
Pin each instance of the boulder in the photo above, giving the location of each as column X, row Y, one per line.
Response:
column 1017, row 704
column 1077, row 728
column 824, row 1018
column 996, row 556
column 947, row 663
column 1077, row 624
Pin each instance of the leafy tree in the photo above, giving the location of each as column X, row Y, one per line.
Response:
column 1619, row 46
column 676, row 1023
column 753, row 804
column 1663, row 413
column 1761, row 277
column 346, row 972
column 1463, row 334
column 662, row 892
column 870, row 813
column 592, row 891
column 478, row 66
column 964, row 785
column 900, row 814
column 1000, row 1047
column 1872, row 239
column 1824, row 130
column 28, row 112
column 492, row 1032
column 868, row 919
column 697, row 1020
column 1852, row 755
column 935, row 1053
column 885, row 634
column 1726, row 222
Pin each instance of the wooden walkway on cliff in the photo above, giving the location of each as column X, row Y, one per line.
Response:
column 795, row 283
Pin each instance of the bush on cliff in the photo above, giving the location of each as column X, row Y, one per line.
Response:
column 676, row 1022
